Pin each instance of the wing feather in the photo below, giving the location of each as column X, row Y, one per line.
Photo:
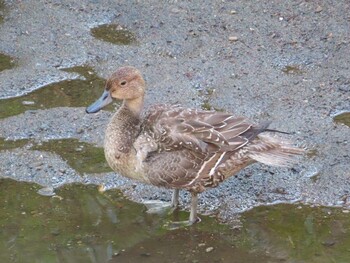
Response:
column 174, row 127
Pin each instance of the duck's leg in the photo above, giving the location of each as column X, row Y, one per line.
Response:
column 175, row 198
column 193, row 212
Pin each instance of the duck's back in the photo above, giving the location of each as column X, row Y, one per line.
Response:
column 195, row 149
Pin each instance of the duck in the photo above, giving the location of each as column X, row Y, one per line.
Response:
column 181, row 148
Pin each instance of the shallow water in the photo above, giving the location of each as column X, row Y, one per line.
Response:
column 2, row 9
column 82, row 157
column 81, row 224
column 343, row 118
column 292, row 69
column 6, row 62
column 9, row 144
column 114, row 34
column 69, row 93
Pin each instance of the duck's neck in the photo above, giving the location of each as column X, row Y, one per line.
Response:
column 135, row 106
column 121, row 133
column 124, row 126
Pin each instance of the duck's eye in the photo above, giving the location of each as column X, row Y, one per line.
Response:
column 123, row 83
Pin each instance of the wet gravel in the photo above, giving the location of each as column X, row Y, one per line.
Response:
column 288, row 63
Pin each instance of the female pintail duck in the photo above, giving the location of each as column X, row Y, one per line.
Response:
column 179, row 148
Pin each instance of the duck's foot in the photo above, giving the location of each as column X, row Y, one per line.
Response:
column 173, row 225
column 158, row 207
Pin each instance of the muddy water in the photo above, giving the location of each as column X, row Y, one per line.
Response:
column 2, row 10
column 8, row 145
column 6, row 62
column 114, row 34
column 292, row 69
column 296, row 233
column 81, row 224
column 82, row 157
column 69, row 93
column 77, row 225
column 343, row 118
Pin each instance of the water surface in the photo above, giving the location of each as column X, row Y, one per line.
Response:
column 6, row 62
column 82, row 157
column 114, row 34
column 66, row 93
column 81, row 224
column 343, row 118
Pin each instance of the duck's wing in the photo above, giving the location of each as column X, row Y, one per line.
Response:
column 174, row 127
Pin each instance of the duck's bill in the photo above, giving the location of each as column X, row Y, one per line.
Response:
column 103, row 101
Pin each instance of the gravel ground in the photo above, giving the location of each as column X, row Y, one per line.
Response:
column 286, row 62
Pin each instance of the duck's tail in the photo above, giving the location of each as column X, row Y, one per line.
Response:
column 274, row 151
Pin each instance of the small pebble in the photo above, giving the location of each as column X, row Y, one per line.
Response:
column 209, row 249
column 46, row 191
column 27, row 102
column 319, row 9
column 55, row 232
column 328, row 243
column 101, row 188
column 233, row 38
column 80, row 131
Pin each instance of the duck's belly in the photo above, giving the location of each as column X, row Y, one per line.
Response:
column 177, row 169
column 125, row 164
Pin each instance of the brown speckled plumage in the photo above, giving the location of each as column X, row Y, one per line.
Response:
column 181, row 148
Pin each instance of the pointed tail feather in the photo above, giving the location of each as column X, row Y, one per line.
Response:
column 274, row 151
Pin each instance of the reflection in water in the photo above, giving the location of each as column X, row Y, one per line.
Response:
column 69, row 93
column 300, row 233
column 80, row 224
column 81, row 156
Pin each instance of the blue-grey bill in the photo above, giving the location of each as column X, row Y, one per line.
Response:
column 103, row 101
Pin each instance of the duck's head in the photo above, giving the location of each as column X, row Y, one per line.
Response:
column 124, row 84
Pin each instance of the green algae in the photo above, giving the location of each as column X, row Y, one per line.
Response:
column 299, row 233
column 12, row 144
column 6, row 62
column 343, row 118
column 81, row 224
column 2, row 9
column 206, row 105
column 76, row 225
column 292, row 69
column 114, row 34
column 67, row 93
column 206, row 95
